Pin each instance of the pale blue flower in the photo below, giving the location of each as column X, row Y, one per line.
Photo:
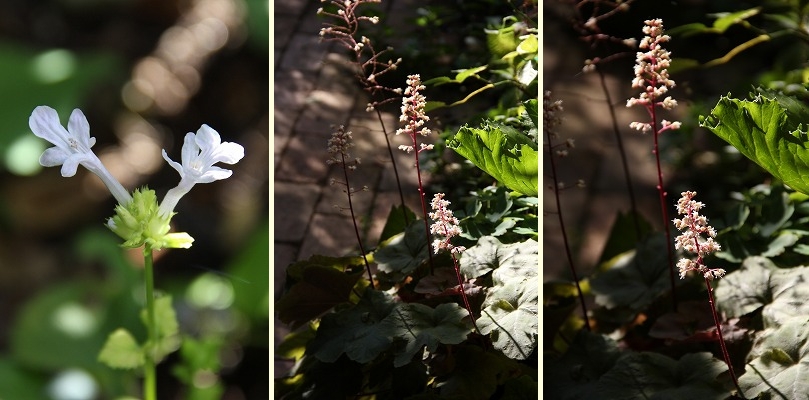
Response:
column 72, row 147
column 199, row 154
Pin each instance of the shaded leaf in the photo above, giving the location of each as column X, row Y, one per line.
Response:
column 357, row 331
column 404, row 252
column 168, row 339
column 320, row 286
column 575, row 374
column 477, row 373
column 396, row 222
column 623, row 235
column 421, row 326
column 644, row 376
column 635, row 278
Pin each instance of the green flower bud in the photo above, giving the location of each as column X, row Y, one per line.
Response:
column 138, row 222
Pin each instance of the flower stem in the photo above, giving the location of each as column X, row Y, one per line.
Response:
column 423, row 202
column 622, row 152
column 354, row 220
column 564, row 231
column 149, row 375
column 662, row 196
column 463, row 292
column 722, row 344
column 395, row 170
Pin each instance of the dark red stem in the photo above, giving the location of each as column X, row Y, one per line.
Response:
column 354, row 220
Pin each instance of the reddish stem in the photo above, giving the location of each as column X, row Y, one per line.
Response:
column 354, row 220
column 651, row 107
column 564, row 232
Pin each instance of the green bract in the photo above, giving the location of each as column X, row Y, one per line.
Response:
column 139, row 223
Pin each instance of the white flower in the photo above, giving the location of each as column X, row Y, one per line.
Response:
column 199, row 154
column 72, row 147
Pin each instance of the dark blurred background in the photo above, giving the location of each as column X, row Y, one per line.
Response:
column 144, row 72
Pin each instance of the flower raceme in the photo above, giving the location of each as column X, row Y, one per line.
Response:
column 138, row 218
column 693, row 226
column 445, row 225
column 413, row 114
column 651, row 75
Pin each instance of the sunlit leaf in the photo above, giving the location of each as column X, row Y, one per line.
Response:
column 781, row 362
column 510, row 317
column 768, row 131
column 512, row 260
column 502, row 152
column 758, row 283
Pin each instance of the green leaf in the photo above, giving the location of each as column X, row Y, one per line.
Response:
column 762, row 130
column 758, row 283
column 510, row 317
column 168, row 339
column 421, row 326
column 396, row 222
column 502, row 152
column 357, row 331
column 641, row 376
column 404, row 252
column 319, row 285
column 635, row 278
column 575, row 374
column 511, row 260
column 477, row 373
column 726, row 20
column 122, row 351
column 624, row 235
column 779, row 367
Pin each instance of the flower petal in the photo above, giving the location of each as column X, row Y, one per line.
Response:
column 53, row 156
column 173, row 164
column 214, row 174
column 190, row 150
column 44, row 122
column 79, row 129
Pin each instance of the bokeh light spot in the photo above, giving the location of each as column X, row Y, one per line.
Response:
column 54, row 66
column 22, row 156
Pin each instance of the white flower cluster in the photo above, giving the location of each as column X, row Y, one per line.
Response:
column 445, row 225
column 693, row 226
